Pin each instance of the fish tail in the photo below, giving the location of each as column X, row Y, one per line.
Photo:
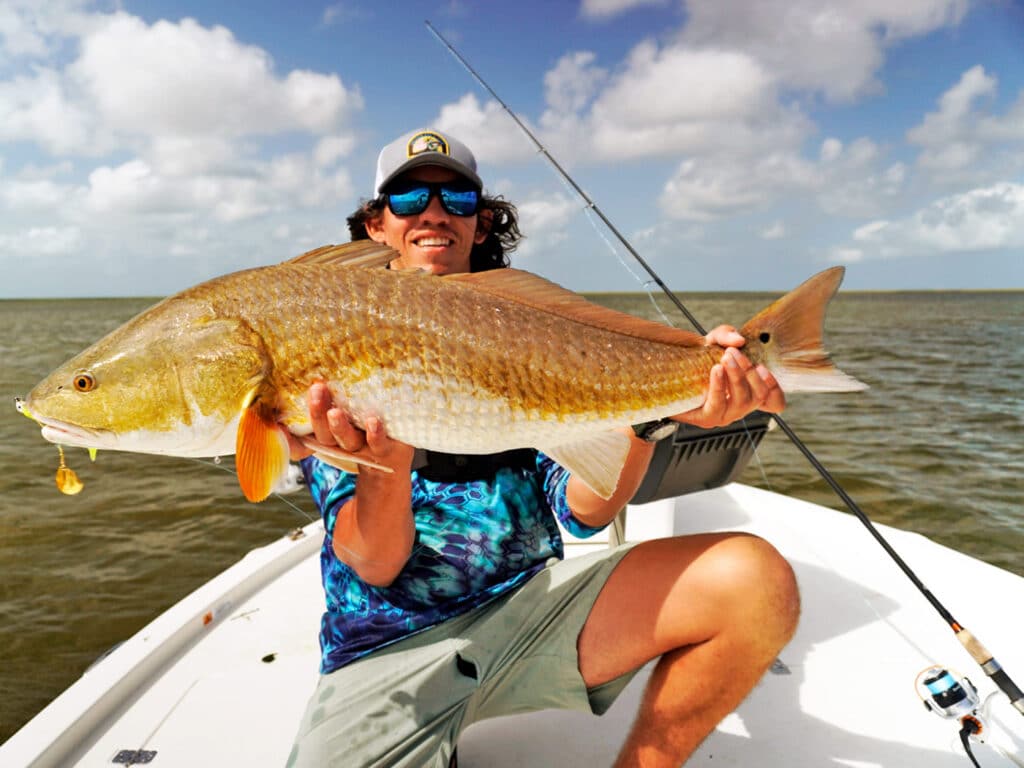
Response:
column 787, row 337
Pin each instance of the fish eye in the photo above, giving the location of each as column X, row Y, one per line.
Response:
column 84, row 381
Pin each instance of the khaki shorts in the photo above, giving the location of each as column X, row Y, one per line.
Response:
column 406, row 704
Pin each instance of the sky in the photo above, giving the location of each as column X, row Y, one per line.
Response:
column 737, row 144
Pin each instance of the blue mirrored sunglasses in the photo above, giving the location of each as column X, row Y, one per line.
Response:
column 413, row 197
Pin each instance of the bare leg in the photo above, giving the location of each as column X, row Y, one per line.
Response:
column 717, row 608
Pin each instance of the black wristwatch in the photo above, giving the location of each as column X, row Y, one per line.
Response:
column 653, row 431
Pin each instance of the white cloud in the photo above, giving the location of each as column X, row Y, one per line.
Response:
column 676, row 100
column 605, row 9
column 148, row 137
column 830, row 150
column 44, row 195
column 30, row 29
column 330, row 149
column 41, row 241
column 854, row 179
column 832, row 46
column 947, row 136
column 572, row 82
column 715, row 103
column 982, row 219
column 546, row 219
column 963, row 141
column 774, row 231
column 173, row 155
column 847, row 255
column 288, row 181
column 486, row 128
column 183, row 79
column 713, row 187
column 185, row 97
column 718, row 114
column 339, row 13
column 36, row 108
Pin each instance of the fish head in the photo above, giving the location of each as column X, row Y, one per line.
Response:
column 169, row 381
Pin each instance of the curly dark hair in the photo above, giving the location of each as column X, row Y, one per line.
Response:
column 503, row 233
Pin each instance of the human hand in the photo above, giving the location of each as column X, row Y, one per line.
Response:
column 333, row 428
column 736, row 387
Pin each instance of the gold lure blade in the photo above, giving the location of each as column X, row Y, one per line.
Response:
column 67, row 481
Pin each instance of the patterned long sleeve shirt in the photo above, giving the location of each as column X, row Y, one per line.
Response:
column 475, row 540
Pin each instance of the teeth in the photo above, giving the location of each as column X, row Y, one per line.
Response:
column 430, row 241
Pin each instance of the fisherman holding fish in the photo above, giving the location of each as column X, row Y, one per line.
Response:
column 448, row 600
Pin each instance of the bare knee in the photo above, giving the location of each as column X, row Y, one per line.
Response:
column 760, row 586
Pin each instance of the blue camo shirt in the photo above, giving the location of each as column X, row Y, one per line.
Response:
column 474, row 541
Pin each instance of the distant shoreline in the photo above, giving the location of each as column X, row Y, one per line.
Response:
column 678, row 291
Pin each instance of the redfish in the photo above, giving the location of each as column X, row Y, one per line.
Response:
column 466, row 363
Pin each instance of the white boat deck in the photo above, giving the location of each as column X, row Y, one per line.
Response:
column 223, row 677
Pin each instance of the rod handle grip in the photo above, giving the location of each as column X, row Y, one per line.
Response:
column 992, row 668
column 974, row 647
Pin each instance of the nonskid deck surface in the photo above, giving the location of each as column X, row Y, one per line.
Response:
column 223, row 678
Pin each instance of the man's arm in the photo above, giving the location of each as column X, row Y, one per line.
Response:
column 736, row 387
column 374, row 530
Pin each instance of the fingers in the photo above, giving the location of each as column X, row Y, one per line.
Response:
column 750, row 387
column 746, row 389
column 319, row 404
column 736, row 387
column 333, row 426
column 724, row 336
column 716, row 404
column 344, row 432
column 775, row 399
column 296, row 450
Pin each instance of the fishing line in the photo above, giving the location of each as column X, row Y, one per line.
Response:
column 218, row 464
column 757, row 455
column 602, row 233
column 645, row 284
column 977, row 651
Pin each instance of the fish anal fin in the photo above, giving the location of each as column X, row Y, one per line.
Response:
column 261, row 453
column 361, row 253
column 597, row 460
column 336, row 457
column 541, row 294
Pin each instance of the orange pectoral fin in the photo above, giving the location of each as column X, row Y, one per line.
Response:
column 261, row 453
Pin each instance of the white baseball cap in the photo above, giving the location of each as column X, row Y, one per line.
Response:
column 424, row 147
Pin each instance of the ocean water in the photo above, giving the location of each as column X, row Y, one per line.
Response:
column 936, row 445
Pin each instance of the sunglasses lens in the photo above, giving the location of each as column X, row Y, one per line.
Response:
column 459, row 202
column 409, row 202
column 413, row 200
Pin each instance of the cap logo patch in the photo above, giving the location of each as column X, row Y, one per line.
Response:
column 427, row 141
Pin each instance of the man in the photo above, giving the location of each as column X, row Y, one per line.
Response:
column 447, row 599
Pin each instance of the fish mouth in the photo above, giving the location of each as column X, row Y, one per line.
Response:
column 63, row 433
column 58, row 431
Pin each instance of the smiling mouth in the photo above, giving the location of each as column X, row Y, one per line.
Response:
column 433, row 242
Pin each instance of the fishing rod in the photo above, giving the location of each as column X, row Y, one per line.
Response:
column 977, row 651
